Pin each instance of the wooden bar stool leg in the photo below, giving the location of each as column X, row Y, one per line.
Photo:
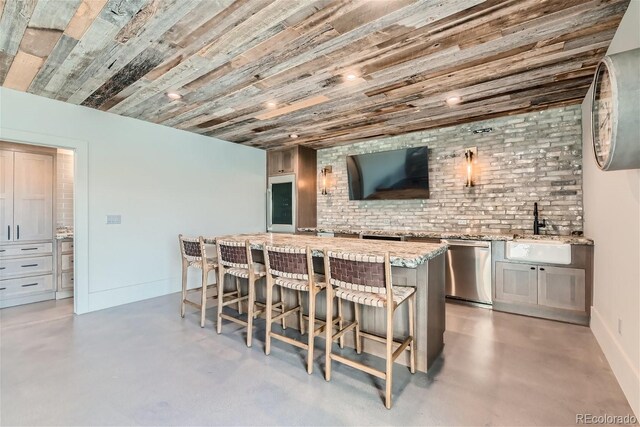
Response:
column 203, row 304
column 238, row 290
column 184, row 288
column 220, row 299
column 389, row 368
column 340, row 323
column 356, row 311
column 412, row 323
column 284, row 323
column 300, row 314
column 311, row 330
column 328, row 333
column 267, row 347
column 251, row 309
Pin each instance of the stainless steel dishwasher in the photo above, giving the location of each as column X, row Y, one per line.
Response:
column 468, row 270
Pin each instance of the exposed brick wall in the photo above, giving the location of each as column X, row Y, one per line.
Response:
column 533, row 157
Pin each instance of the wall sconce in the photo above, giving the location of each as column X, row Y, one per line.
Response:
column 469, row 155
column 325, row 178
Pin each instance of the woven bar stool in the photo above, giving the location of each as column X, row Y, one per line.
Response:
column 194, row 254
column 292, row 268
column 235, row 259
column 366, row 280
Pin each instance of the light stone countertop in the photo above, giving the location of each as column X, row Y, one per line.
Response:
column 61, row 236
column 573, row 240
column 401, row 254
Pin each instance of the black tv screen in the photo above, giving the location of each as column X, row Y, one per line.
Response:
column 396, row 174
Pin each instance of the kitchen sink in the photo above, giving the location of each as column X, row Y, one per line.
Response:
column 545, row 251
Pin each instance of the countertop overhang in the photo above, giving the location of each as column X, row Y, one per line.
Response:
column 573, row 240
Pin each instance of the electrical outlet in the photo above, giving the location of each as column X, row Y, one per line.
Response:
column 619, row 326
column 114, row 219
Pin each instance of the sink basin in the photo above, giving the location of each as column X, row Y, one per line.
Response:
column 547, row 251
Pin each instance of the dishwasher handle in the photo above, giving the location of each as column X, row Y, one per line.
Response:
column 468, row 243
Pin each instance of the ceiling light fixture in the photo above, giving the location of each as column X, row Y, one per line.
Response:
column 351, row 76
column 483, row 130
column 174, row 95
column 453, row 100
column 293, row 135
column 271, row 104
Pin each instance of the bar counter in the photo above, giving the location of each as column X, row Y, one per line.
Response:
column 413, row 264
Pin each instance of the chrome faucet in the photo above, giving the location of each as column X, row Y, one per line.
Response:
column 537, row 225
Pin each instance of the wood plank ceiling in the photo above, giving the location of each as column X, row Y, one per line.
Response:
column 331, row 71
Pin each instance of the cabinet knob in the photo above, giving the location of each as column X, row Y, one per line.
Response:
column 541, row 268
column 533, row 268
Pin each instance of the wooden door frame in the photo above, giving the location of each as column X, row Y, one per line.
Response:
column 81, row 292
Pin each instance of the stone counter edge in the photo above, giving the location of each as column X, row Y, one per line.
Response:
column 573, row 240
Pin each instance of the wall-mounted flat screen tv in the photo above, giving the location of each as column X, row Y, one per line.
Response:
column 396, row 174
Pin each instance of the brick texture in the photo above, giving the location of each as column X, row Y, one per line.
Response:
column 64, row 193
column 533, row 157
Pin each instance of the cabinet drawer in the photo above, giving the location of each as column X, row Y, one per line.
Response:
column 66, row 281
column 66, row 247
column 25, row 266
column 12, row 288
column 26, row 249
column 66, row 262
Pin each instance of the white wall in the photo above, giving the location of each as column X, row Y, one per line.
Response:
column 612, row 219
column 161, row 180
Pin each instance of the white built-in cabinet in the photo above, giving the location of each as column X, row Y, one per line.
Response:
column 26, row 195
column 64, row 268
column 6, row 195
column 26, row 227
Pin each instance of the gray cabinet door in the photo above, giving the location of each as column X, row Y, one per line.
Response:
column 561, row 287
column 516, row 282
column 6, row 196
column 33, row 197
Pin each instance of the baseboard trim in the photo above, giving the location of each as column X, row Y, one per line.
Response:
column 128, row 294
column 28, row 299
column 621, row 365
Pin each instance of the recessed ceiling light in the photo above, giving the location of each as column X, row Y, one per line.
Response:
column 174, row 95
column 293, row 135
column 351, row 76
column 452, row 100
column 271, row 104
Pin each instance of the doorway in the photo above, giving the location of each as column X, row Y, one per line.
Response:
column 36, row 219
column 79, row 210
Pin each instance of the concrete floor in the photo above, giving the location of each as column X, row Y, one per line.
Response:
column 141, row 364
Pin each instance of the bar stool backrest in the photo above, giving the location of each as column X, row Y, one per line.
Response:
column 192, row 248
column 359, row 272
column 234, row 254
column 288, row 262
